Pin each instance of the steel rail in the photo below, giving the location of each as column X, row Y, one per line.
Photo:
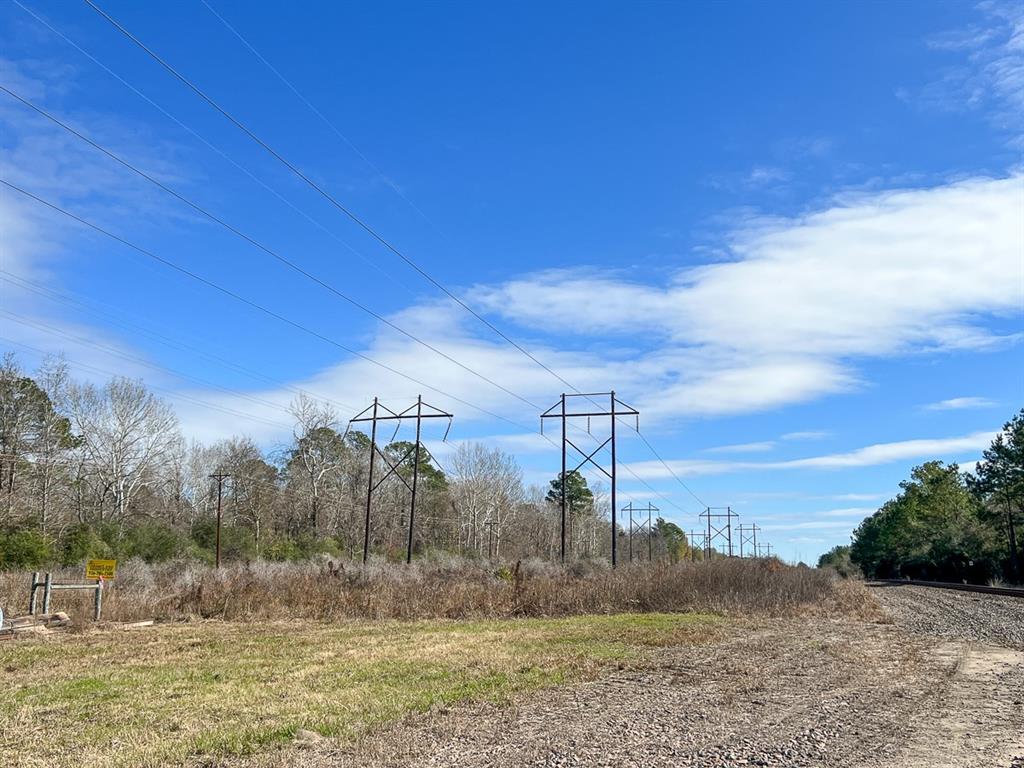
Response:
column 980, row 588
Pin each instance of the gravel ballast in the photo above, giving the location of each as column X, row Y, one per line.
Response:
column 954, row 614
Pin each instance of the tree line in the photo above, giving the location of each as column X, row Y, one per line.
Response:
column 92, row 470
column 947, row 524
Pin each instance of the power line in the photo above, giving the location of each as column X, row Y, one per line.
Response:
column 41, row 290
column 320, row 190
column 63, row 333
column 172, row 393
column 330, row 198
column 345, row 210
column 670, row 470
column 257, row 306
column 257, row 244
column 330, row 233
column 394, row 187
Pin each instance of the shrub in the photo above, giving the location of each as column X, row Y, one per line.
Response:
column 151, row 541
column 24, row 549
column 456, row 589
column 81, row 542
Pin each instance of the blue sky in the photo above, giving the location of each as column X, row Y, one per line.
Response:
column 791, row 234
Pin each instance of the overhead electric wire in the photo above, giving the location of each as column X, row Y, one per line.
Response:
column 256, row 305
column 670, row 470
column 69, row 300
column 320, row 190
column 330, row 198
column 257, row 244
column 387, row 180
column 315, row 222
column 170, row 392
column 65, row 334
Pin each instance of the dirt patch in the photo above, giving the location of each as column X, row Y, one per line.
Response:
column 980, row 723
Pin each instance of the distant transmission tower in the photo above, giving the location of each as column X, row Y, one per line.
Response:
column 717, row 530
column 414, row 411
column 748, row 535
column 640, row 525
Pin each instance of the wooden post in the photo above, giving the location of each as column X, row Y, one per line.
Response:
column 32, row 594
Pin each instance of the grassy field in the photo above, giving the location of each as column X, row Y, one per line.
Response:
column 193, row 692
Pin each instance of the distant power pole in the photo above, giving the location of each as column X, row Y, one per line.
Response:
column 490, row 538
column 220, row 477
column 764, row 550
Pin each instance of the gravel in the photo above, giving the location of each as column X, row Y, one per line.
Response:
column 955, row 615
column 938, row 682
column 780, row 693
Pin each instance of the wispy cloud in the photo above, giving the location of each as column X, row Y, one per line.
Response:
column 948, row 448
column 859, row 496
column 808, row 435
column 763, row 446
column 846, row 512
column 990, row 76
column 764, row 175
column 960, row 404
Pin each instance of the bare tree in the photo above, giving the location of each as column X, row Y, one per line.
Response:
column 486, row 487
column 318, row 454
column 127, row 432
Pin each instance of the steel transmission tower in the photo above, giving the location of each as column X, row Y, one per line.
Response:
column 379, row 412
column 560, row 411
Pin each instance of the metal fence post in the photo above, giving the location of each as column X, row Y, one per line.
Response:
column 98, row 607
column 47, row 591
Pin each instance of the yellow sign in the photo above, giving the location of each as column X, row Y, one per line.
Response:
column 100, row 569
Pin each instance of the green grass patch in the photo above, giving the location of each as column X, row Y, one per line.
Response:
column 212, row 689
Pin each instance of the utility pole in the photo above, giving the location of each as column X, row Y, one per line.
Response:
column 220, row 477
column 716, row 529
column 616, row 408
column 490, row 539
column 748, row 535
column 764, row 550
column 414, row 411
column 639, row 526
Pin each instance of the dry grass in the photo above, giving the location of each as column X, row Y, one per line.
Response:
column 456, row 590
column 195, row 693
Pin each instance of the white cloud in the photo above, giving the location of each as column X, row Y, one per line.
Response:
column 873, row 274
column 847, row 512
column 765, row 445
column 821, row 525
column 885, row 453
column 990, row 76
column 881, row 453
column 858, row 496
column 763, row 175
column 960, row 404
column 807, row 435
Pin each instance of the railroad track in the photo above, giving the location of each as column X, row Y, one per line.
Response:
column 1004, row 591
